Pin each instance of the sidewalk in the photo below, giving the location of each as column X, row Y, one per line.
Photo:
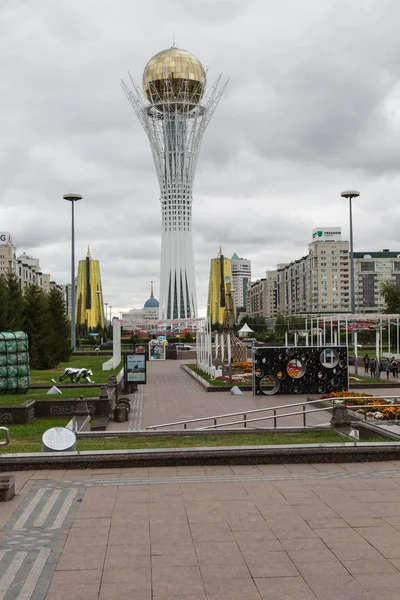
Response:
column 172, row 395
column 262, row 532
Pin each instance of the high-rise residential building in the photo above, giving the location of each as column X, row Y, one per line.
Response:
column 241, row 275
column 29, row 272
column 8, row 257
column 318, row 282
column 262, row 297
column 371, row 269
column 220, row 275
column 174, row 111
column 26, row 268
column 89, row 297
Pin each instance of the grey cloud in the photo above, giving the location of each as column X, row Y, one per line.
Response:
column 312, row 107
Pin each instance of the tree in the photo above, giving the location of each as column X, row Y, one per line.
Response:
column 391, row 295
column 37, row 326
column 188, row 338
column 4, row 302
column 15, row 312
column 280, row 325
column 60, row 345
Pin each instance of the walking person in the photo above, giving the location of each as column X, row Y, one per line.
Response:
column 372, row 367
column 386, row 368
column 395, row 367
column 366, row 363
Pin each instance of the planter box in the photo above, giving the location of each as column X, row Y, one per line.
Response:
column 19, row 414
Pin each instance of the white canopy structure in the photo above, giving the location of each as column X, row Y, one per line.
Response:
column 245, row 330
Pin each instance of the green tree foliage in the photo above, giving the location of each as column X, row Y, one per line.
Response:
column 281, row 326
column 41, row 315
column 60, row 345
column 15, row 306
column 391, row 295
column 188, row 338
column 37, row 326
column 4, row 324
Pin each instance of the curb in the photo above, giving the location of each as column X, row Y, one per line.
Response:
column 244, row 455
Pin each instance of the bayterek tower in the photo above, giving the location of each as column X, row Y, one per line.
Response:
column 174, row 109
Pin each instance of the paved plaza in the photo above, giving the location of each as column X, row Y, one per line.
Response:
column 260, row 532
column 173, row 395
column 271, row 532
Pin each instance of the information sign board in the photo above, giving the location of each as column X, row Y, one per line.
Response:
column 135, row 368
column 58, row 439
column 156, row 350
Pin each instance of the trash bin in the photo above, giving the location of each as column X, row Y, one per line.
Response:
column 172, row 353
column 120, row 414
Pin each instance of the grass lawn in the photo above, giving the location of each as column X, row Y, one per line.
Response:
column 88, row 362
column 27, row 438
column 14, row 399
column 44, row 378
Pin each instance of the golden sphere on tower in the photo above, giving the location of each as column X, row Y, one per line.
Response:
column 174, row 76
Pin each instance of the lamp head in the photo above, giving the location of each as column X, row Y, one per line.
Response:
column 72, row 197
column 350, row 194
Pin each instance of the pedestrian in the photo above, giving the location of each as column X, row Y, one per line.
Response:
column 395, row 367
column 386, row 368
column 372, row 367
column 366, row 363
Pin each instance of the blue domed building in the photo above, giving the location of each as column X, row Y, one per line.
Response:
column 151, row 302
column 144, row 318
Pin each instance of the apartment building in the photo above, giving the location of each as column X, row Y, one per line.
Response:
column 371, row 269
column 318, row 282
column 8, row 257
column 262, row 297
column 27, row 268
column 241, row 276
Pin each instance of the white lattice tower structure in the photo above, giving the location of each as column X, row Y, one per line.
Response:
column 174, row 110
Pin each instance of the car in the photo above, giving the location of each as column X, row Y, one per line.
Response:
column 106, row 346
column 250, row 342
column 180, row 346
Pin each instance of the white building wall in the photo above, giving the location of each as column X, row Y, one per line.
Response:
column 241, row 275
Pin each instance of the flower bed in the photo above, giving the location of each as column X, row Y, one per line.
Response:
column 373, row 404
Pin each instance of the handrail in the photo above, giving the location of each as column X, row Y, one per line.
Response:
column 6, row 441
column 235, row 414
column 305, row 412
column 274, row 408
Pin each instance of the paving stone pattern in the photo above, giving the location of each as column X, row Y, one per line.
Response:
column 172, row 395
column 265, row 532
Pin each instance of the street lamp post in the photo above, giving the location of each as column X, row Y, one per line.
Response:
column 106, row 305
column 350, row 194
column 73, row 198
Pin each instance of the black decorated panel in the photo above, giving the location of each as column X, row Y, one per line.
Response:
column 300, row 370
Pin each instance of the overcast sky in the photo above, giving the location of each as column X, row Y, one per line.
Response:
column 312, row 107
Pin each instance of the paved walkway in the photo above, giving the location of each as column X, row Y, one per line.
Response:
column 266, row 532
column 172, row 395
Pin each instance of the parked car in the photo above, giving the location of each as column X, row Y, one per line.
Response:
column 250, row 342
column 181, row 346
column 105, row 346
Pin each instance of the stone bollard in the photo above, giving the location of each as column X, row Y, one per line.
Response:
column 7, row 487
column 103, row 392
column 340, row 416
column 81, row 408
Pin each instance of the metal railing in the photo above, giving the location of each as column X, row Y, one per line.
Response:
column 245, row 420
column 6, row 441
column 244, row 414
